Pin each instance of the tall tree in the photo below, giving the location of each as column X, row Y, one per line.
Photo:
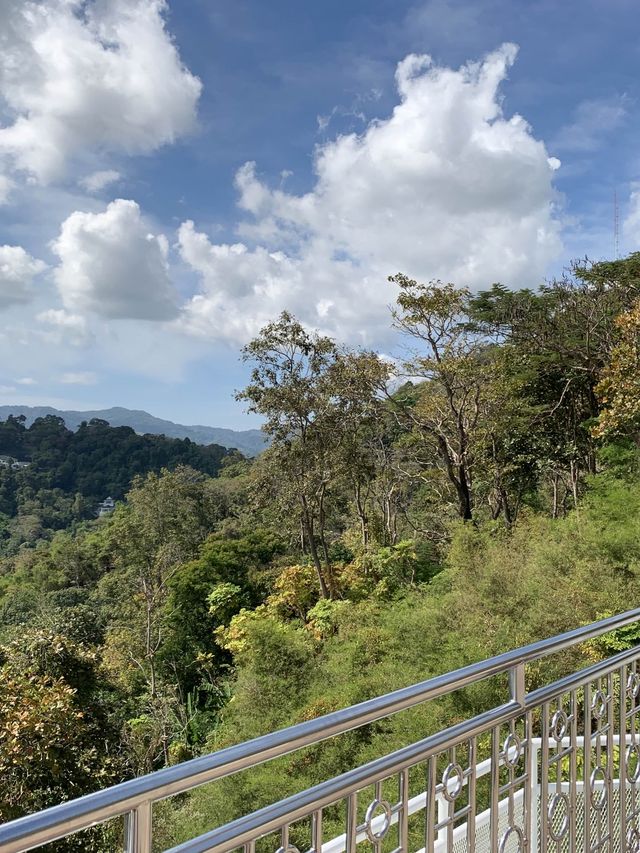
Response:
column 285, row 388
column 563, row 336
column 167, row 517
column 317, row 399
column 445, row 409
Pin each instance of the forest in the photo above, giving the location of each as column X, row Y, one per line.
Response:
column 410, row 515
column 52, row 478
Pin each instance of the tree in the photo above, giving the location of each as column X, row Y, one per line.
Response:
column 165, row 521
column 55, row 735
column 355, row 384
column 285, row 387
column 619, row 386
column 315, row 398
column 563, row 336
column 456, row 417
column 223, row 561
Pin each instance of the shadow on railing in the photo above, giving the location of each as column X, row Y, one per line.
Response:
column 561, row 772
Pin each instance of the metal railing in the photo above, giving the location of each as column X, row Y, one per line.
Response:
column 561, row 772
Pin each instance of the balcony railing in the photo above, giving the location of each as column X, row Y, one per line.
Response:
column 554, row 769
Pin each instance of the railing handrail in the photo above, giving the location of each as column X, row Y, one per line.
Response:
column 234, row 833
column 121, row 799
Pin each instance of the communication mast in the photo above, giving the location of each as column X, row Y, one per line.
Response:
column 616, row 227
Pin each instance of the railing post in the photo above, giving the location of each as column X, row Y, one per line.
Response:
column 516, row 683
column 534, row 796
column 137, row 830
column 443, row 811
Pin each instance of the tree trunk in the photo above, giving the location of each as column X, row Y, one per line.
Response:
column 508, row 515
column 311, row 542
column 464, row 494
column 457, row 478
column 555, row 505
column 362, row 515
column 575, row 478
column 149, row 650
column 325, row 550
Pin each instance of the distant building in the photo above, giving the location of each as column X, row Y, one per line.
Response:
column 10, row 462
column 108, row 505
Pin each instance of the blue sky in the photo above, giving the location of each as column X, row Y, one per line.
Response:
column 174, row 175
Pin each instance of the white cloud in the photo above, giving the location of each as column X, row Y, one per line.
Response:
column 446, row 187
column 17, row 271
column 592, row 122
column 97, row 181
column 84, row 377
column 61, row 327
column 26, row 380
column 113, row 266
column 98, row 75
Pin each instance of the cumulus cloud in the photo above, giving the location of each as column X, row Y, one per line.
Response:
column 111, row 265
column 17, row 271
column 446, row 187
column 99, row 75
column 97, row 181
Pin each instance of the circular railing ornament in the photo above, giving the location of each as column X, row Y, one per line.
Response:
column 633, row 840
column 633, row 684
column 599, row 704
column 512, row 750
column 559, row 725
column 370, row 816
column 632, row 752
column 512, row 832
column 558, row 811
column 452, row 781
column 290, row 848
column 598, row 798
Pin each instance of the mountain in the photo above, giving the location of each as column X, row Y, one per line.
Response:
column 249, row 441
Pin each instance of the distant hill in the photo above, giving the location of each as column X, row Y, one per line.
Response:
column 250, row 441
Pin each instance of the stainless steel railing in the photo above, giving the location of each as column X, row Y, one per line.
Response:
column 595, row 708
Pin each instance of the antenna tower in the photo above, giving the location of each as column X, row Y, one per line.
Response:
column 616, row 227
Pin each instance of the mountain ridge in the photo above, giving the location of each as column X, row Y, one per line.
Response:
column 250, row 442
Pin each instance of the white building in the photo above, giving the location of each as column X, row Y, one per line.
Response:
column 107, row 506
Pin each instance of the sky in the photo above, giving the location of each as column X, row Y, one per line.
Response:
column 175, row 174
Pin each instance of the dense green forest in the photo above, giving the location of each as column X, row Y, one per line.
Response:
column 52, row 478
column 408, row 517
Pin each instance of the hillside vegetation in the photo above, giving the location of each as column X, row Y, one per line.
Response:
column 250, row 442
column 396, row 527
column 69, row 473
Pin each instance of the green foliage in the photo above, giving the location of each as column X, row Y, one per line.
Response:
column 498, row 589
column 69, row 473
column 387, row 535
column 57, row 732
column 224, row 564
